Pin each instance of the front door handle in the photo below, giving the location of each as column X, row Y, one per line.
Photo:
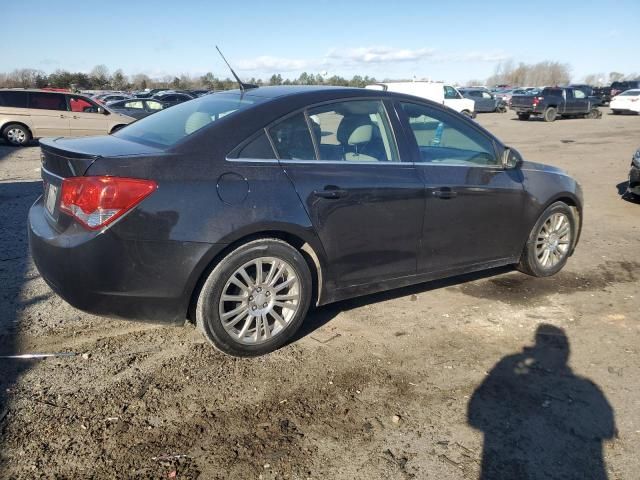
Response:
column 445, row 193
column 330, row 193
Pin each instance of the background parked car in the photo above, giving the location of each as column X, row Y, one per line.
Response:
column 485, row 101
column 633, row 188
column 110, row 97
column 552, row 102
column 170, row 98
column 626, row 102
column 27, row 114
column 137, row 107
column 619, row 87
column 604, row 93
column 435, row 91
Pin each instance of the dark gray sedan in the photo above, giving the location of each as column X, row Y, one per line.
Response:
column 137, row 107
column 485, row 100
column 240, row 210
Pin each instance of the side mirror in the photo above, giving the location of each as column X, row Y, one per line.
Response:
column 102, row 111
column 511, row 158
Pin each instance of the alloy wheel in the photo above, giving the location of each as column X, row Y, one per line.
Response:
column 259, row 300
column 553, row 240
column 16, row 136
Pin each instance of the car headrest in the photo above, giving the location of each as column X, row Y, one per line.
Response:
column 196, row 121
column 361, row 134
column 348, row 125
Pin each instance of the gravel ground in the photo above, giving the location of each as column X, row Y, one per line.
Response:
column 495, row 372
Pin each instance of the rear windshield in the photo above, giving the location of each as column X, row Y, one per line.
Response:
column 168, row 127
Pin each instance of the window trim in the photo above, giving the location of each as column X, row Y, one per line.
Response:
column 411, row 139
column 232, row 155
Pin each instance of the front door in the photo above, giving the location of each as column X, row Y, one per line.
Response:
column 474, row 208
column 85, row 119
column 365, row 204
column 49, row 114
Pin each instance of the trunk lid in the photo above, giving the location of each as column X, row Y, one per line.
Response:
column 71, row 157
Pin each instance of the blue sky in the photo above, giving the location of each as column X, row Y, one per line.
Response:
column 445, row 40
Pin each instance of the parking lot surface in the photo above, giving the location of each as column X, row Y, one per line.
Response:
column 495, row 371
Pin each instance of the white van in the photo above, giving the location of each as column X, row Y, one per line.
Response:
column 435, row 91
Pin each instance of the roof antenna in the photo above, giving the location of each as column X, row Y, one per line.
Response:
column 243, row 86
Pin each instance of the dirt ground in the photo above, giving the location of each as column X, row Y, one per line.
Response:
column 436, row 381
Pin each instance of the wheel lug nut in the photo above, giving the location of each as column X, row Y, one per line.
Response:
column 250, row 298
column 259, row 289
column 264, row 305
column 254, row 308
column 268, row 294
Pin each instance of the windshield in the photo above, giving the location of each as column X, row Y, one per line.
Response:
column 167, row 127
column 630, row 93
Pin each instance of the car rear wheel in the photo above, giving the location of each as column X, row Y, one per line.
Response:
column 255, row 299
column 593, row 114
column 16, row 134
column 550, row 242
column 523, row 116
column 550, row 114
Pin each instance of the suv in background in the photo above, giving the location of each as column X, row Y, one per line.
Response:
column 28, row 114
column 485, row 101
column 619, row 87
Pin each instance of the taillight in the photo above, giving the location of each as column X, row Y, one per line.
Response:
column 98, row 201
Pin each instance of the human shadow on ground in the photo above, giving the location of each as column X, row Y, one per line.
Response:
column 539, row 419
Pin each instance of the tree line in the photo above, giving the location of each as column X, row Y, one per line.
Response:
column 99, row 78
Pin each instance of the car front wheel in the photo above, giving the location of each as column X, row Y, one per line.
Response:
column 255, row 299
column 550, row 242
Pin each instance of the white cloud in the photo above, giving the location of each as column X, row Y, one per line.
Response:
column 378, row 54
column 275, row 64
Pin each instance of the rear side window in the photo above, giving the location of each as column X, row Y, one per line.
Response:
column 47, row 101
column 579, row 94
column 445, row 140
column 258, row 148
column 355, row 130
column 151, row 105
column 556, row 92
column 292, row 139
column 13, row 99
column 136, row 104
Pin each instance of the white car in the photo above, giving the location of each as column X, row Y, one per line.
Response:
column 435, row 91
column 628, row 101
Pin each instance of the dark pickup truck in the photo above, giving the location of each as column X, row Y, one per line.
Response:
column 553, row 102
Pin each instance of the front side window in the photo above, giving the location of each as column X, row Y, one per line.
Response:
column 152, row 105
column 353, row 131
column 450, row 92
column 444, row 139
column 487, row 95
column 579, row 94
column 47, row 101
column 80, row 104
column 292, row 139
column 169, row 126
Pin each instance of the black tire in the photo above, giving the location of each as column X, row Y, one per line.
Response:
column 529, row 262
column 523, row 116
column 468, row 114
column 16, row 135
column 593, row 114
column 208, row 319
column 550, row 114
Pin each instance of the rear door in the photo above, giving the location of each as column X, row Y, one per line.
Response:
column 580, row 101
column 474, row 208
column 362, row 194
column 49, row 114
column 85, row 119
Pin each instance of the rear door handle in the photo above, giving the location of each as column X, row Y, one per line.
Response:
column 331, row 194
column 445, row 193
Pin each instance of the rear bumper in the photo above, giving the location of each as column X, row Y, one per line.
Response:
column 521, row 109
column 105, row 274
